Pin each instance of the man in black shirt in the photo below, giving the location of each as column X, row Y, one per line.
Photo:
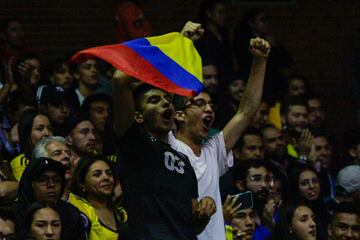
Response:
column 160, row 186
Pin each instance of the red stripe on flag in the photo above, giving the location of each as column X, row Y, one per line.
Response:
column 128, row 61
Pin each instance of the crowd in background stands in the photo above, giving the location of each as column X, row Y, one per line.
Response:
column 62, row 170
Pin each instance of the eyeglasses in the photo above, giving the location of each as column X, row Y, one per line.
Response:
column 259, row 178
column 45, row 180
column 201, row 103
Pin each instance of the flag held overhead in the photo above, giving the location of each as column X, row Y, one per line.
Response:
column 169, row 62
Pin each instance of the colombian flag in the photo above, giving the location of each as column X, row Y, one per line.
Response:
column 169, row 62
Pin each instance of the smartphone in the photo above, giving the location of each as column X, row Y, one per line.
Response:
column 245, row 198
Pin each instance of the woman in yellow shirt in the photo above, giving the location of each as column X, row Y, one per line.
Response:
column 93, row 180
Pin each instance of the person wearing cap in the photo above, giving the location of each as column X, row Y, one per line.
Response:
column 347, row 186
column 55, row 102
column 55, row 148
column 44, row 180
column 79, row 133
column 344, row 222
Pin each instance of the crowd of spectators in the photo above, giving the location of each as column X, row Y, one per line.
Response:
column 88, row 152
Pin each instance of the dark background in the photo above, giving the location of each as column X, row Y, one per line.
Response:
column 313, row 31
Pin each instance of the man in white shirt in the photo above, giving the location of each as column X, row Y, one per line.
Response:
column 211, row 160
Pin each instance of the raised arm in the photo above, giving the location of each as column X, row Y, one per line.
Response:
column 251, row 99
column 123, row 102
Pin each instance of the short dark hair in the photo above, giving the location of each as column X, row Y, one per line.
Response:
column 139, row 92
column 249, row 131
column 241, row 169
column 344, row 207
column 98, row 97
column 293, row 101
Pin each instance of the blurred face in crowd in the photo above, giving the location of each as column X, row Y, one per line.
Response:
column 58, row 151
column 7, row 228
column 303, row 224
column 47, row 187
column 274, row 142
column 217, row 15
column 261, row 116
column 316, row 113
column 244, row 224
column 309, row 185
column 354, row 152
column 14, row 34
column 276, row 191
column 99, row 114
column 58, row 113
column 344, row 226
column 99, row 181
column 236, row 90
column 211, row 78
column 321, row 151
column 297, row 87
column 82, row 138
column 46, row 225
column 197, row 117
column 252, row 148
column 297, row 117
column 35, row 73
column 62, row 77
column 41, row 128
column 156, row 112
column 258, row 181
column 87, row 73
column 260, row 24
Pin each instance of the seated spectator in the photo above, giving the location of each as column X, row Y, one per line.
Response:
column 249, row 146
column 94, row 181
column 98, row 108
column 261, row 116
column 43, row 222
column 7, row 224
column 44, row 180
column 352, row 147
column 297, row 221
column 296, row 86
column 305, row 185
column 56, row 103
column 321, row 157
column 254, row 175
column 55, row 148
column 86, row 76
column 347, row 186
column 27, row 72
column 33, row 126
column 275, row 149
column 344, row 222
column 80, row 136
column 242, row 225
column 230, row 101
column 316, row 112
column 211, row 79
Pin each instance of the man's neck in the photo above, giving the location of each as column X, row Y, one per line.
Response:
column 192, row 142
column 84, row 90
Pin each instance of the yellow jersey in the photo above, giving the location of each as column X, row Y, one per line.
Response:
column 18, row 165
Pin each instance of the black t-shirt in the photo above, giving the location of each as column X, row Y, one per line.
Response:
column 159, row 184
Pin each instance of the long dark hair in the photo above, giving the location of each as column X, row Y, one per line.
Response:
column 283, row 225
column 25, row 127
column 36, row 206
column 80, row 172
